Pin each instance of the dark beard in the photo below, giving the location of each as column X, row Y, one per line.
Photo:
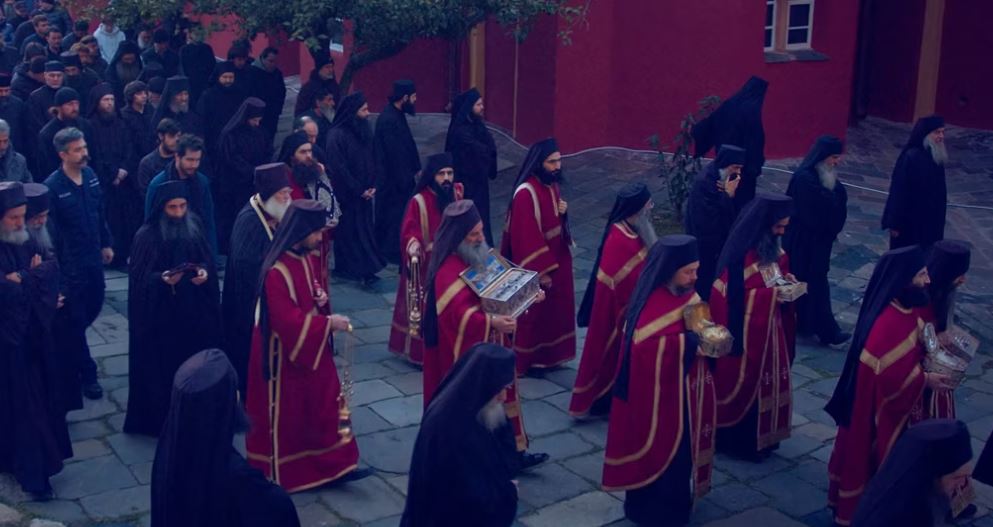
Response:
column 184, row 229
column 768, row 248
column 362, row 129
column 106, row 117
column 127, row 72
column 549, row 178
column 913, row 296
column 446, row 194
column 408, row 108
column 305, row 175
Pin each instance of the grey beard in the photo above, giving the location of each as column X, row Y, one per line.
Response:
column 18, row 237
column 938, row 151
column 275, row 208
column 828, row 175
column 644, row 228
column 474, row 255
column 328, row 113
column 183, row 229
column 41, row 237
column 179, row 108
column 492, row 416
column 768, row 248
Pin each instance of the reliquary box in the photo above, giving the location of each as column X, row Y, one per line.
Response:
column 503, row 288
column 786, row 289
column 950, row 353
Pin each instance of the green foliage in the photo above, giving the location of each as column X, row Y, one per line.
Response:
column 681, row 167
column 379, row 28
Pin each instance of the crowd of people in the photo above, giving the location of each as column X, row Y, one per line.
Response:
column 136, row 150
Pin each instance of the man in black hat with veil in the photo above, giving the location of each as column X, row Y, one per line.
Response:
column 198, row 478
column 662, row 420
column 738, row 121
column 753, row 382
column 352, row 167
column 218, row 104
column 297, row 439
column 397, row 163
column 242, row 146
column 820, row 208
column 915, row 208
column 175, row 104
column 250, row 237
column 471, row 144
column 173, row 304
column 882, row 383
column 625, row 243
column 457, row 475
column 322, row 76
column 710, row 210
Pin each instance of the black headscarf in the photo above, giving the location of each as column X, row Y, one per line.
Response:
column 825, row 147
column 948, row 260
column 923, row 127
column 457, row 220
column 532, row 166
column 11, row 195
column 630, row 200
column 99, row 92
column 191, row 460
column 303, row 217
column 221, row 68
column 126, row 47
column 165, row 193
column 462, row 113
column 899, row 493
column 740, row 114
column 250, row 108
column 344, row 114
column 895, row 270
column 173, row 86
column 667, row 256
column 756, row 219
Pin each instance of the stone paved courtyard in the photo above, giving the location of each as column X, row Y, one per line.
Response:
column 107, row 483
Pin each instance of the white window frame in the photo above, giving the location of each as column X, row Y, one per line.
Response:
column 771, row 28
column 809, row 26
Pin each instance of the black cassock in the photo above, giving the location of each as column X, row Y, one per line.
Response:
column 250, row 240
column 818, row 217
column 197, row 62
column 397, row 165
column 48, row 159
column 240, row 150
column 35, row 437
column 709, row 216
column 918, row 193
column 168, row 323
column 351, row 167
column 111, row 148
column 271, row 88
column 475, row 155
column 141, row 136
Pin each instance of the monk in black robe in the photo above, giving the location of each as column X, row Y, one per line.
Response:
column 915, row 209
column 196, row 59
column 322, row 76
column 218, row 104
column 821, row 207
column 198, row 478
column 253, row 230
column 66, row 116
column 14, row 112
column 738, row 121
column 79, row 78
column 175, row 104
column 137, row 117
column 173, row 304
column 321, row 114
column 353, row 175
column 42, row 99
column 474, row 150
column 710, row 211
column 111, row 151
column 124, row 67
column 457, row 474
column 242, row 146
column 266, row 82
column 35, row 437
column 397, row 165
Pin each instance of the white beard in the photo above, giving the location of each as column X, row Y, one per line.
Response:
column 41, row 237
column 828, row 175
column 644, row 229
column 18, row 237
column 938, row 151
column 275, row 208
column 474, row 255
column 492, row 416
column 328, row 113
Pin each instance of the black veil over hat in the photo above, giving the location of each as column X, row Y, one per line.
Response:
column 757, row 218
column 250, row 108
column 825, row 147
column 740, row 114
column 532, row 165
column 164, row 193
column 923, row 127
column 432, row 165
column 173, row 86
column 344, row 114
column 290, row 145
column 948, row 260
column 899, row 493
column 461, row 112
column 895, row 270
column 667, row 256
column 458, row 219
column 630, row 200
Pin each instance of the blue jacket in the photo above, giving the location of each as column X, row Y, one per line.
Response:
column 201, row 202
column 78, row 224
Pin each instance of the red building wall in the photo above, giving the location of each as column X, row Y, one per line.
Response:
column 966, row 74
column 895, row 50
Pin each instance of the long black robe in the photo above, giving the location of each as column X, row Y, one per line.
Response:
column 169, row 61
column 250, row 240
column 141, row 135
column 32, row 412
column 168, row 324
column 83, row 84
column 352, row 168
column 474, row 150
column 39, row 103
column 217, row 105
column 22, row 85
column 240, row 150
column 918, row 196
column 197, row 61
column 271, row 88
column 397, row 163
column 47, row 159
column 111, row 149
column 819, row 215
column 709, row 216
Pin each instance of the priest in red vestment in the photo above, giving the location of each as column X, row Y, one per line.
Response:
column 625, row 243
column 454, row 320
column 881, row 386
column 754, row 397
column 435, row 190
column 293, row 384
column 946, row 266
column 660, row 440
column 536, row 237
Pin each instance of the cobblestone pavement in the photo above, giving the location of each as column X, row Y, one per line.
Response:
column 107, row 482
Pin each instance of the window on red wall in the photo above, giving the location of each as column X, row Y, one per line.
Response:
column 789, row 31
column 770, row 25
column 799, row 24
